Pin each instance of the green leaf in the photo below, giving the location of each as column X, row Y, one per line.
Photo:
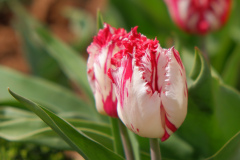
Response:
column 41, row 64
column 82, row 25
column 213, row 112
column 73, row 65
column 231, row 72
column 100, row 22
column 118, row 146
column 200, row 90
column 230, row 151
column 153, row 22
column 76, row 139
column 20, row 125
column 174, row 148
column 53, row 96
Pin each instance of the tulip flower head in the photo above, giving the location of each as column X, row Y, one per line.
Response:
column 150, row 85
column 199, row 16
column 101, row 50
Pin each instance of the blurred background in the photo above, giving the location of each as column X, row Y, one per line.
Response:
column 74, row 23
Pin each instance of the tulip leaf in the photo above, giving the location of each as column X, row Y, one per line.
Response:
column 82, row 25
column 230, row 151
column 72, row 64
column 231, row 71
column 41, row 63
column 174, row 148
column 22, row 125
column 207, row 130
column 132, row 10
column 53, row 96
column 200, row 90
column 100, row 22
column 76, row 139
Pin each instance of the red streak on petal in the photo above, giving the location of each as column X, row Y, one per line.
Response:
column 132, row 126
column 180, row 72
column 165, row 136
column 110, row 106
column 170, row 125
column 177, row 57
column 108, row 58
column 127, row 75
column 137, row 130
column 110, row 75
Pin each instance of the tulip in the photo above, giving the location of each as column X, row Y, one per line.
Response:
column 150, row 85
column 199, row 16
column 103, row 47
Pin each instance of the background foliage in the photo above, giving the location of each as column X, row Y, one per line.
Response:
column 57, row 91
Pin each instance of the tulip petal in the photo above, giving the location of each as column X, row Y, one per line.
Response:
column 133, row 111
column 101, row 50
column 199, row 16
column 150, row 85
column 174, row 95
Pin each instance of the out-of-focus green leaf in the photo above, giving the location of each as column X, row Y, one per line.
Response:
column 135, row 145
column 100, row 22
column 174, row 148
column 55, row 97
column 136, row 13
column 73, row 65
column 41, row 64
column 230, row 151
column 76, row 139
column 221, row 49
column 231, row 72
column 82, row 24
column 11, row 113
column 20, row 125
column 207, row 130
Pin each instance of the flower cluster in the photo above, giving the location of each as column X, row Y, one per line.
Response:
column 149, row 82
column 199, row 16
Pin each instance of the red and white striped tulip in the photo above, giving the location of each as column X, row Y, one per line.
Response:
column 101, row 50
column 199, row 16
column 150, row 85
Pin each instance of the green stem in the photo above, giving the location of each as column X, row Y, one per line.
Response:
column 117, row 137
column 155, row 149
column 126, row 141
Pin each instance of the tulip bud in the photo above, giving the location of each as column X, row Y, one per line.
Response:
column 150, row 85
column 199, row 16
column 103, row 47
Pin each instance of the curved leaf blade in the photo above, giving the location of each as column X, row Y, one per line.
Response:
column 31, row 129
column 56, row 98
column 76, row 139
column 230, row 151
column 200, row 90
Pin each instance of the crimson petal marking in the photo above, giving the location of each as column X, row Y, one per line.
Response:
column 177, row 57
column 170, row 125
column 165, row 136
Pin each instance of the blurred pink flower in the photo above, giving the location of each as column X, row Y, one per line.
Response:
column 101, row 50
column 199, row 16
column 150, row 85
